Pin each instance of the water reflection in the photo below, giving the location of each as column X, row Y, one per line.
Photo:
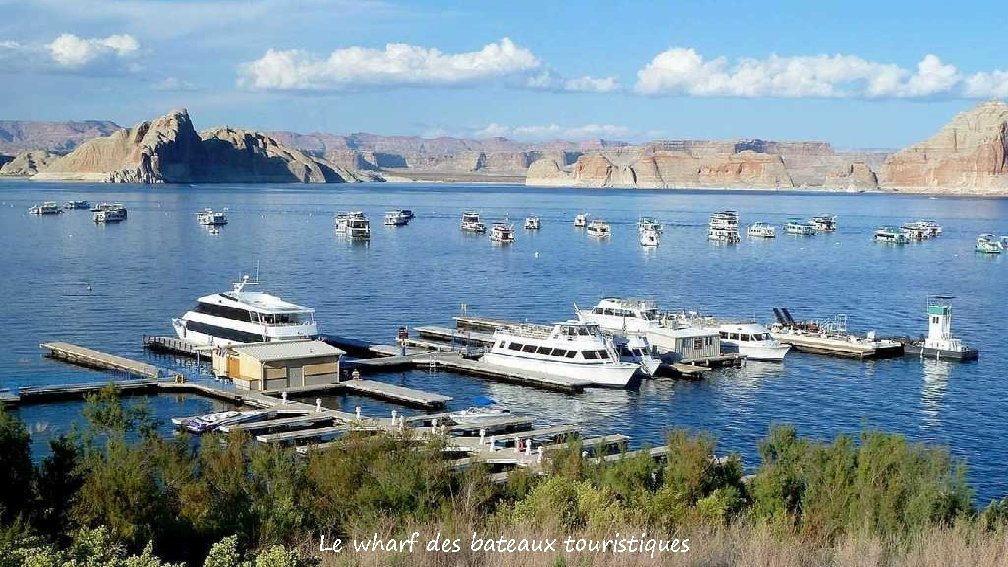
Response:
column 936, row 375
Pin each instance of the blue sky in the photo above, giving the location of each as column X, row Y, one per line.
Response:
column 857, row 74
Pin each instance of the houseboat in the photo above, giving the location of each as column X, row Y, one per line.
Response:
column 649, row 238
column 76, row 205
column 532, row 223
column 353, row 225
column 502, row 233
column 581, row 220
column 599, row 229
column 110, row 212
column 761, row 230
column 209, row 217
column 988, row 244
column 46, row 208
column 471, row 222
column 890, row 235
column 396, row 218
column 724, row 227
column 649, row 223
column 799, row 227
column 824, row 223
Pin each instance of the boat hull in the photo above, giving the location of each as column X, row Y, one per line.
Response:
column 607, row 375
column 767, row 353
column 941, row 354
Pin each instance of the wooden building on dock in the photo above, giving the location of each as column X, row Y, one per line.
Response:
column 278, row 365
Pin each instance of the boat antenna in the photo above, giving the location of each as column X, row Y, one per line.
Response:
column 257, row 272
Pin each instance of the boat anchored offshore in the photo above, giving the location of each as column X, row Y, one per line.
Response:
column 572, row 349
column 532, row 223
column 723, row 227
column 649, row 238
column 354, row 225
column 110, row 212
column 598, row 228
column 939, row 342
column 396, row 218
column 761, row 230
column 752, row 341
column 988, row 244
column 890, row 235
column 921, row 229
column 581, row 220
column 502, row 233
column 799, row 227
column 209, row 217
column 649, row 223
column 471, row 222
column 240, row 316
column 824, row 223
column 46, row 208
column 75, row 205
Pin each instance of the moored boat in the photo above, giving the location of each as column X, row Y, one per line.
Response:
column 502, row 233
column 939, row 343
column 353, row 225
column 761, row 230
column 396, row 218
column 824, row 223
column 988, row 244
column 799, row 227
column 581, row 220
column 890, row 235
column 649, row 223
column 636, row 348
column 110, row 212
column 76, row 205
column 46, row 208
column 572, row 349
column 831, row 337
column 649, row 238
column 724, row 227
column 752, row 341
column 532, row 223
column 598, row 228
column 471, row 222
column 209, row 217
column 485, row 410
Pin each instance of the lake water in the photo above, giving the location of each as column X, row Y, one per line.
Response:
column 64, row 278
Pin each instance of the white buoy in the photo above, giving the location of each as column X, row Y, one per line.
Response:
column 493, row 443
column 536, row 253
column 517, row 445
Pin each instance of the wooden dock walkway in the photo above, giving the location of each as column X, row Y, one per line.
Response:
column 316, row 434
column 83, row 356
column 454, row 362
column 294, row 422
column 399, row 394
column 497, row 425
column 459, row 336
column 175, row 345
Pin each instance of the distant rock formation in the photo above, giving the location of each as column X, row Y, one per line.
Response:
column 968, row 155
column 28, row 163
column 18, row 136
column 661, row 168
column 856, row 176
column 168, row 150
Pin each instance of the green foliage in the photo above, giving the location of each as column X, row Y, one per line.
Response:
column 107, row 414
column 995, row 516
column 90, row 548
column 16, row 471
column 569, row 505
column 58, row 480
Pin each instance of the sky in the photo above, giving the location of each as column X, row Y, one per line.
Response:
column 854, row 73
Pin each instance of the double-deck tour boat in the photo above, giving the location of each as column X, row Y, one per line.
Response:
column 572, row 349
column 471, row 222
column 240, row 316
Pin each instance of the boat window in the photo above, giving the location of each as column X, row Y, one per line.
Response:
column 233, row 313
column 744, row 338
column 528, row 348
column 558, row 352
column 589, row 355
column 501, row 344
column 571, row 354
column 543, row 350
column 724, row 334
column 603, row 354
column 734, row 336
column 598, row 311
column 607, row 311
column 582, row 331
column 515, row 346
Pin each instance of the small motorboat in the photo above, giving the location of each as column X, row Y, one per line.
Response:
column 486, row 409
column 599, row 229
column 761, row 230
column 532, row 223
column 988, row 244
column 396, row 218
column 581, row 220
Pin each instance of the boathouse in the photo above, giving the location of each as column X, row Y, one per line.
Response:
column 694, row 344
column 278, row 365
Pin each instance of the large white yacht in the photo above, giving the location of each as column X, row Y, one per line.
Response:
column 471, row 222
column 723, row 227
column 354, row 225
column 240, row 316
column 572, row 349
column 752, row 341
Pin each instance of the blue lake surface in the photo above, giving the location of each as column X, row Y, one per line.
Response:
column 152, row 267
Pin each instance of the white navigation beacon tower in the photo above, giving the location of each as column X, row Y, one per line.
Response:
column 939, row 342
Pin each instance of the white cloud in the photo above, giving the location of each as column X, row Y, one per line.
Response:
column 174, row 84
column 397, row 64
column 551, row 132
column 683, row 71
column 592, row 84
column 74, row 52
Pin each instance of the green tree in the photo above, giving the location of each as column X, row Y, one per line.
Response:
column 16, row 470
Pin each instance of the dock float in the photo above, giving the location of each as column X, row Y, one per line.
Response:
column 83, row 356
column 509, row 424
column 459, row 336
column 174, row 345
column 455, row 362
column 319, row 434
column 400, row 394
column 294, row 422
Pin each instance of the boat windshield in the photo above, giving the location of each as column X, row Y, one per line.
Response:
column 287, row 318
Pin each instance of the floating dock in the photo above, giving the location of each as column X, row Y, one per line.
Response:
column 391, row 392
column 82, row 356
column 174, row 345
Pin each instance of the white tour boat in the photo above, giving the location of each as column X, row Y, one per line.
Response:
column 532, row 223
column 752, row 341
column 353, row 225
column 502, row 233
column 471, row 222
column 110, row 212
column 824, row 223
column 581, row 220
column 396, row 218
column 572, row 349
column 209, row 217
column 598, row 228
column 988, row 244
column 47, row 208
column 761, row 230
column 799, row 227
column 649, row 238
column 724, row 227
column 890, row 235
column 240, row 316
column 649, row 223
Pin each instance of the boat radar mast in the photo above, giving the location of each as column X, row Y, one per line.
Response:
column 244, row 280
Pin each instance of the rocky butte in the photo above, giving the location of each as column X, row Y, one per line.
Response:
column 969, row 155
column 169, row 150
